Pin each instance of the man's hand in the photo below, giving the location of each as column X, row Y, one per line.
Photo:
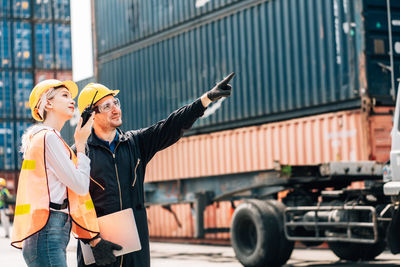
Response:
column 103, row 252
column 222, row 89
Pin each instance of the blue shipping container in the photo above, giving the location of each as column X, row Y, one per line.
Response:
column 22, row 88
column 20, row 127
column 61, row 9
column 22, row 45
column 6, row 98
column 44, row 46
column 5, row 44
column 4, row 8
column 21, row 8
column 127, row 21
column 42, row 9
column 292, row 58
column 7, row 146
column 63, row 46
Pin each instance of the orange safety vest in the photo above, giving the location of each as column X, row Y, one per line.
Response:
column 33, row 198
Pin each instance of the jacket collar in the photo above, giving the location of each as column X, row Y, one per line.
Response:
column 94, row 140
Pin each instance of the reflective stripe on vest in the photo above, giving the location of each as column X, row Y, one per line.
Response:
column 32, row 203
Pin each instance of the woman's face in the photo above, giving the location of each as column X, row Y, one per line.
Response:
column 62, row 104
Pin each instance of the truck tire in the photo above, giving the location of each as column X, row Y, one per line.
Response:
column 356, row 251
column 285, row 246
column 255, row 234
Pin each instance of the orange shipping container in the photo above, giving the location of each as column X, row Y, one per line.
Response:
column 340, row 136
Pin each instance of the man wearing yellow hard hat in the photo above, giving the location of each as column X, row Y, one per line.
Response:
column 119, row 159
column 4, row 195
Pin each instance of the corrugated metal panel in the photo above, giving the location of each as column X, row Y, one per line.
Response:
column 292, row 58
column 339, row 136
column 62, row 9
column 4, row 8
column 5, row 44
column 22, row 88
column 42, row 9
column 7, row 146
column 6, row 97
column 63, row 46
column 21, row 8
column 44, row 75
column 64, row 75
column 129, row 21
column 20, row 127
column 22, row 44
column 44, row 46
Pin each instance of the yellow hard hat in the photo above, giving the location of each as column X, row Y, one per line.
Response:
column 43, row 87
column 88, row 93
column 2, row 182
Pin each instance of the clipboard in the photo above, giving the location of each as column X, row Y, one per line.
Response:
column 118, row 227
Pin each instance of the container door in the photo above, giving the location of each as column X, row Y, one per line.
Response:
column 377, row 47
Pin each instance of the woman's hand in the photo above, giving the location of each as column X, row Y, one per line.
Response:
column 82, row 133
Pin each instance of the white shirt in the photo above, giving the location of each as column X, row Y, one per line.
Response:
column 61, row 171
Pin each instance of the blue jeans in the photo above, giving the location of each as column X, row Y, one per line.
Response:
column 48, row 246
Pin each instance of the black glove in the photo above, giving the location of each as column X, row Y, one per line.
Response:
column 103, row 252
column 222, row 89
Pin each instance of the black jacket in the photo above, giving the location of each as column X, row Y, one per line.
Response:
column 117, row 178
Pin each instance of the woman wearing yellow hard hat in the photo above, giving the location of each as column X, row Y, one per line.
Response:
column 52, row 195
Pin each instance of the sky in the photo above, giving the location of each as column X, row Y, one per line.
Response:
column 82, row 58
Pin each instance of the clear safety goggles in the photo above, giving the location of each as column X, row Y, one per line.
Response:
column 107, row 106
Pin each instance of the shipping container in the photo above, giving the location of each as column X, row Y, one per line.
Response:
column 22, row 45
column 291, row 58
column 7, row 146
column 6, row 97
column 64, row 76
column 63, row 46
column 5, row 44
column 42, row 9
column 44, row 45
column 61, row 9
column 163, row 224
column 130, row 21
column 41, row 75
column 22, row 88
column 21, row 8
column 5, row 8
column 340, row 136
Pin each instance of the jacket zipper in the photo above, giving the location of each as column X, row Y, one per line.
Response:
column 116, row 172
column 97, row 183
column 137, row 164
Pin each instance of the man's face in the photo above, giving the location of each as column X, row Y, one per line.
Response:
column 109, row 117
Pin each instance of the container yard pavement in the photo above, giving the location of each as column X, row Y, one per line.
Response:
column 173, row 255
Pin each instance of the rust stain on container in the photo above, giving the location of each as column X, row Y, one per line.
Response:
column 309, row 140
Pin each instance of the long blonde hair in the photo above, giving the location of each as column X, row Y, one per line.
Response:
column 26, row 137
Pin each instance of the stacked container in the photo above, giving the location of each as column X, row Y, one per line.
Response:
column 312, row 84
column 35, row 44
